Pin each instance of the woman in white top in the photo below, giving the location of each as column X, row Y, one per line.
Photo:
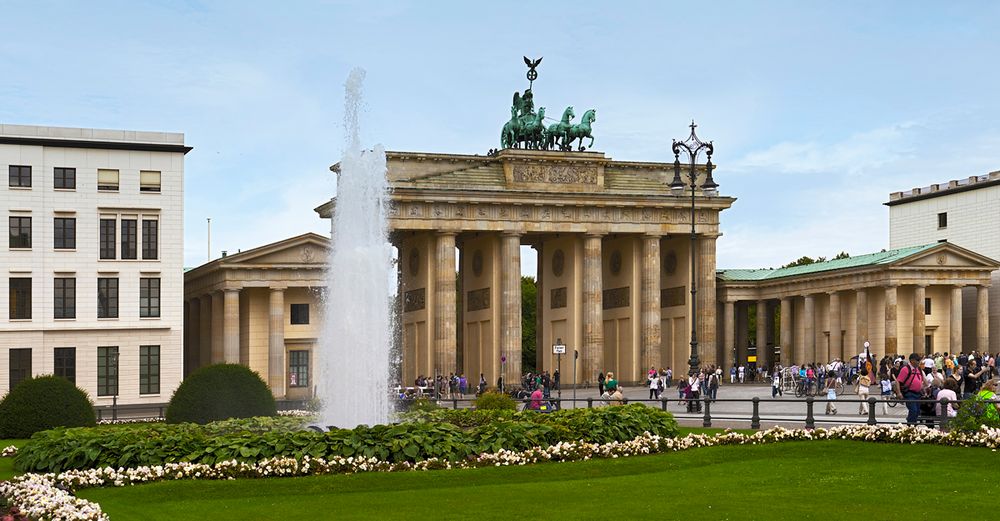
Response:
column 654, row 387
column 950, row 392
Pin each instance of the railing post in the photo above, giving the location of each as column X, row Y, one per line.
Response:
column 810, row 420
column 943, row 417
column 114, row 408
column 707, row 419
column 755, row 419
column 624, row 401
column 663, row 404
column 871, row 411
column 454, row 403
column 590, row 403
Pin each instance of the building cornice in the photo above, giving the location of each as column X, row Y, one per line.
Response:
column 84, row 143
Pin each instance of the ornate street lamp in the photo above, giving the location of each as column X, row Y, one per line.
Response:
column 693, row 147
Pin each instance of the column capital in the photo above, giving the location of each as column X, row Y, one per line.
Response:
column 445, row 233
column 231, row 289
column 276, row 289
column 594, row 235
column 511, row 233
column 834, row 292
column 652, row 235
column 957, row 286
column 921, row 285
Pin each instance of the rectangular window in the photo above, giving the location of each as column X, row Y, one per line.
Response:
column 20, row 366
column 927, row 306
column 20, row 298
column 107, row 180
column 298, row 368
column 107, row 371
column 65, row 233
column 149, row 369
column 129, row 238
column 20, row 232
column 20, row 176
column 107, row 297
column 942, row 220
column 149, row 297
column 65, row 363
column 150, row 237
column 108, row 238
column 149, row 181
column 300, row 313
column 64, row 178
column 64, row 297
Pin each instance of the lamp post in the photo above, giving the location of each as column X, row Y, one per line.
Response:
column 693, row 147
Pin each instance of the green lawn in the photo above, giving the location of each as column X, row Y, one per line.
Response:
column 797, row 480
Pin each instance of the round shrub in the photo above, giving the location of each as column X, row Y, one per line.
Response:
column 220, row 392
column 494, row 401
column 43, row 403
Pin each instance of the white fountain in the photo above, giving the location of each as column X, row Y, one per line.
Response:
column 353, row 356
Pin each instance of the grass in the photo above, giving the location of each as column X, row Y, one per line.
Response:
column 795, row 480
column 7, row 464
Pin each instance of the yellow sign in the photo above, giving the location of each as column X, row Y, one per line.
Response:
column 751, row 359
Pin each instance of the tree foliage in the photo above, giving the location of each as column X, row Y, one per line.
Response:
column 529, row 322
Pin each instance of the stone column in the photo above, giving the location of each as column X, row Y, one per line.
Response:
column 919, row 318
column 510, row 302
column 728, row 334
column 593, row 310
column 231, row 326
column 707, row 344
column 955, row 344
column 193, row 356
column 204, row 330
column 763, row 353
column 218, row 333
column 891, row 346
column 809, row 323
column 983, row 318
column 540, row 340
column 276, row 342
column 836, row 350
column 649, row 349
column 861, row 323
column 789, row 355
column 445, row 342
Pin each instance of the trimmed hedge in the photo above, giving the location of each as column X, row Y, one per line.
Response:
column 415, row 440
column 219, row 392
column 495, row 401
column 42, row 403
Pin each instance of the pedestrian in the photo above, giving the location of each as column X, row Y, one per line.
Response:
column 831, row 394
column 950, row 391
column 654, row 387
column 555, row 379
column 610, row 383
column 742, row 373
column 617, row 397
column 600, row 383
column 863, row 384
column 911, row 384
column 670, row 377
column 886, row 386
column 713, row 386
column 776, row 383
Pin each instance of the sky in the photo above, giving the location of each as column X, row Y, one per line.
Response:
column 818, row 110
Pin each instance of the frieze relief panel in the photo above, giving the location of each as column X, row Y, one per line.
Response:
column 547, row 213
column 478, row 299
column 415, row 300
column 616, row 298
column 555, row 174
column 670, row 297
column 558, row 298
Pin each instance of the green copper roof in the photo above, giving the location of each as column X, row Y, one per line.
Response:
column 860, row 261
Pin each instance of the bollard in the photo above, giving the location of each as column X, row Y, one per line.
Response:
column 707, row 420
column 114, row 408
column 871, row 411
column 943, row 417
column 755, row 419
column 663, row 404
column 590, row 403
column 810, row 421
column 454, row 403
column 624, row 401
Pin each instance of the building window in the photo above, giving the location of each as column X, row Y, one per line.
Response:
column 300, row 313
column 20, row 298
column 298, row 368
column 108, row 238
column 107, row 180
column 107, row 371
column 20, row 366
column 149, row 181
column 928, row 344
column 64, row 297
column 20, row 176
column 149, row 369
column 942, row 220
column 65, row 233
column 149, row 297
column 150, row 237
column 20, row 232
column 65, row 363
column 129, row 238
column 107, row 297
column 65, row 178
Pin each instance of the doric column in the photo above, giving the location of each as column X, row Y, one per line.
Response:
column 510, row 302
column 789, row 355
column 983, row 318
column 540, row 290
column 445, row 342
column 650, row 346
column 193, row 352
column 891, row 346
column 861, row 322
column 593, row 312
column 919, row 318
column 276, row 342
column 707, row 344
column 231, row 326
column 809, row 325
column 218, row 333
column 836, row 350
column 204, row 330
column 955, row 345
column 728, row 333
column 763, row 353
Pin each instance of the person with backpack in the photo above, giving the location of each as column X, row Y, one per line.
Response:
column 713, row 386
column 911, row 386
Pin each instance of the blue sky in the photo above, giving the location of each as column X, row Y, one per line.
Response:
column 818, row 109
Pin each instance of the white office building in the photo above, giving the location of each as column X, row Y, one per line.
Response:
column 92, row 279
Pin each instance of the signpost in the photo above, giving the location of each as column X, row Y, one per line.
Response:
column 559, row 349
column 576, row 355
column 503, row 371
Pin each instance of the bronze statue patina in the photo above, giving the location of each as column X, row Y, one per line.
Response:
column 526, row 128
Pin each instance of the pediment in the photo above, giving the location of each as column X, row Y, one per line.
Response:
column 307, row 249
column 947, row 255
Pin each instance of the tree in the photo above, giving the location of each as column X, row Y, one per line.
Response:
column 842, row 255
column 802, row 261
column 529, row 314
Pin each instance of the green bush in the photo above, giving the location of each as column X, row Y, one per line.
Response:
column 42, row 403
column 219, row 392
column 422, row 405
column 973, row 414
column 494, row 401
